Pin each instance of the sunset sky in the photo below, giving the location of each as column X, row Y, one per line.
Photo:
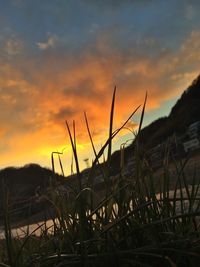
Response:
column 59, row 58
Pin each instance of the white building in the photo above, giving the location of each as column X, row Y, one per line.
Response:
column 194, row 129
column 192, row 144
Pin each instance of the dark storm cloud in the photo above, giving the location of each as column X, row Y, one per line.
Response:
column 63, row 114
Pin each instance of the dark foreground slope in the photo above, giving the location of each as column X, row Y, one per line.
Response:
column 20, row 190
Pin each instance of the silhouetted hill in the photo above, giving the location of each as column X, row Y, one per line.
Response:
column 185, row 112
column 23, row 187
column 22, row 182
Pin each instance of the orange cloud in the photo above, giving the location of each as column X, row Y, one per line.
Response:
column 44, row 91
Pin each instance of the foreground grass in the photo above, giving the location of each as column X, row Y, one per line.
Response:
column 131, row 225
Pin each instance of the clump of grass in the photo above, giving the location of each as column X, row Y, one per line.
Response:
column 126, row 223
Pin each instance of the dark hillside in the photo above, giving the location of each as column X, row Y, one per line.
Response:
column 152, row 130
column 24, row 186
column 185, row 112
column 187, row 108
column 23, row 182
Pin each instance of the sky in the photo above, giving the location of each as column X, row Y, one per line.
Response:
column 59, row 58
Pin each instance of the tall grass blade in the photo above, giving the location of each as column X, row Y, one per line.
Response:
column 90, row 136
column 111, row 126
column 142, row 114
column 61, row 166
column 73, row 144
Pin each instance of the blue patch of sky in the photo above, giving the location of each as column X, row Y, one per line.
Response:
column 167, row 23
column 73, row 21
column 162, row 111
column 35, row 19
